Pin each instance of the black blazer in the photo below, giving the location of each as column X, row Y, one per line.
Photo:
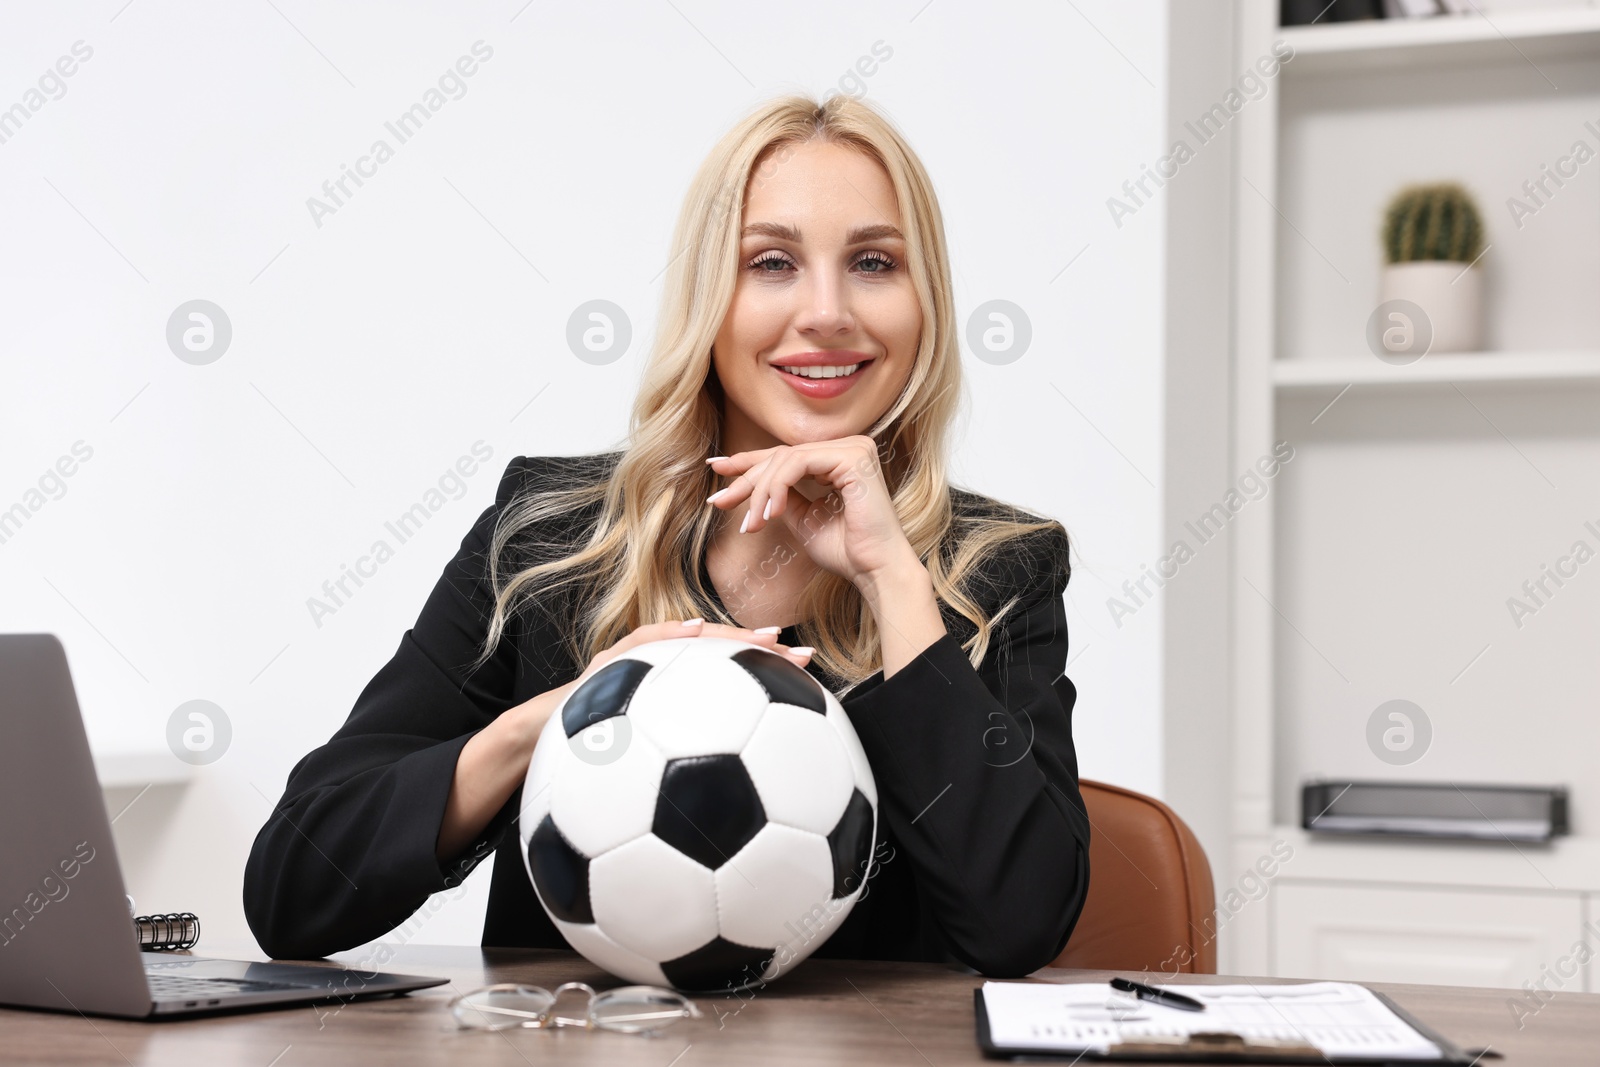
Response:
column 984, row 842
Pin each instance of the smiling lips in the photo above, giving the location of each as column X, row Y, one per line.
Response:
column 822, row 375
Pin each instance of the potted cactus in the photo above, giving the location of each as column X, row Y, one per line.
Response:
column 1432, row 238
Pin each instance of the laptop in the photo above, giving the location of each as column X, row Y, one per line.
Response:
column 67, row 942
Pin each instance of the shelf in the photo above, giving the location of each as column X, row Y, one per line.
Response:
column 1512, row 368
column 1442, row 41
column 1565, row 865
column 136, row 768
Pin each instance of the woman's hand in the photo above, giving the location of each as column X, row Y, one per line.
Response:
column 766, row 637
column 852, row 530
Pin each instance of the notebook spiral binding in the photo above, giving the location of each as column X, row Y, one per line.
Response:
column 164, row 933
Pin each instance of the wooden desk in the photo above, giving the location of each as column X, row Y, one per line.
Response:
column 825, row 1012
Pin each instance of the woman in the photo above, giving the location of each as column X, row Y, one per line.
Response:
column 811, row 238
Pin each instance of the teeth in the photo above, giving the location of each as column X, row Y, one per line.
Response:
column 822, row 372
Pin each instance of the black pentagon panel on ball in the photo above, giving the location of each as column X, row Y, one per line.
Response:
column 786, row 682
column 851, row 845
column 718, row 966
column 561, row 874
column 605, row 694
column 708, row 808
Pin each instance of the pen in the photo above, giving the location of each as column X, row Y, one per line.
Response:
column 1157, row 996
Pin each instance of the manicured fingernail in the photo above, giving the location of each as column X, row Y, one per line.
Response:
column 693, row 622
column 713, row 459
column 769, row 630
column 802, row 650
column 744, row 523
column 766, row 512
column 718, row 493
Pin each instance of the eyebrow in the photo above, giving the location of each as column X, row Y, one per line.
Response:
column 874, row 232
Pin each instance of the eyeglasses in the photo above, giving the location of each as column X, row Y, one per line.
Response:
column 632, row 1009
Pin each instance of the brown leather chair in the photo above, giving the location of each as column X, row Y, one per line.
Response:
column 1151, row 904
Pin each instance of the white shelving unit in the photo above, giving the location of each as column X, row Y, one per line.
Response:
column 1446, row 41
column 1508, row 368
column 1410, row 502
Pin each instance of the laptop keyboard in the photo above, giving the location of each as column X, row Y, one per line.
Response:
column 181, row 987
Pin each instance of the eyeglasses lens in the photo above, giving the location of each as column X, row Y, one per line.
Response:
column 640, row 1009
column 503, row 1006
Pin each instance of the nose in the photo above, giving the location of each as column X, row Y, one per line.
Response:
column 824, row 305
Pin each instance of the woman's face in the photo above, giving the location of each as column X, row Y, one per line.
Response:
column 822, row 282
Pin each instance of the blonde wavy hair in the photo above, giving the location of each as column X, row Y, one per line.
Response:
column 630, row 565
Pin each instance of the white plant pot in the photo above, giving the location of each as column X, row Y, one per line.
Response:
column 1449, row 293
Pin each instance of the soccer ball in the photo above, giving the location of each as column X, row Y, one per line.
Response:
column 698, row 813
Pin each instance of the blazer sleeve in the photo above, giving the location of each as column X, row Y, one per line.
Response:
column 348, row 853
column 977, row 781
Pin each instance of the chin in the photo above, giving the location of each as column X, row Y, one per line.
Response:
column 811, row 433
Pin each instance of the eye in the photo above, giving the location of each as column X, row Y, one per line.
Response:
column 883, row 263
column 760, row 263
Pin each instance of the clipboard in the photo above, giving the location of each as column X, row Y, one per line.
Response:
column 1224, row 1047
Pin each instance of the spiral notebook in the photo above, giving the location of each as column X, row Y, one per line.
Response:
column 165, row 933
column 1308, row 1022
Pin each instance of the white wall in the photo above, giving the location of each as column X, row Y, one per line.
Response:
column 369, row 352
